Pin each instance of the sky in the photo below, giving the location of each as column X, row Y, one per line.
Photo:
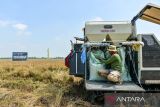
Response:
column 34, row 25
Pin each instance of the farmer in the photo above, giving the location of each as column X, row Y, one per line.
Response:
column 112, row 74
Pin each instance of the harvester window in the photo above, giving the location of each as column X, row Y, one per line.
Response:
column 150, row 51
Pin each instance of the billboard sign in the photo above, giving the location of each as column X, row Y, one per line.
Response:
column 19, row 56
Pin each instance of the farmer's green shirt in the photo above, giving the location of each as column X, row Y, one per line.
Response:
column 114, row 61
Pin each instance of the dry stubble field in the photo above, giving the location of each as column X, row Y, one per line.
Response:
column 39, row 83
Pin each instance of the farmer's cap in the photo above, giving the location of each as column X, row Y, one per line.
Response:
column 112, row 48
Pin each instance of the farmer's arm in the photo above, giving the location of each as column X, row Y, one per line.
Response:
column 110, row 60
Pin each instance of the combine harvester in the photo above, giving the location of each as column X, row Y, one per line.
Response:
column 140, row 54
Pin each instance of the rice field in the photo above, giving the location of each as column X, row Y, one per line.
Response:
column 39, row 83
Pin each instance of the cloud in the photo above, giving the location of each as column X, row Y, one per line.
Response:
column 20, row 26
column 97, row 19
column 4, row 23
column 22, row 29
